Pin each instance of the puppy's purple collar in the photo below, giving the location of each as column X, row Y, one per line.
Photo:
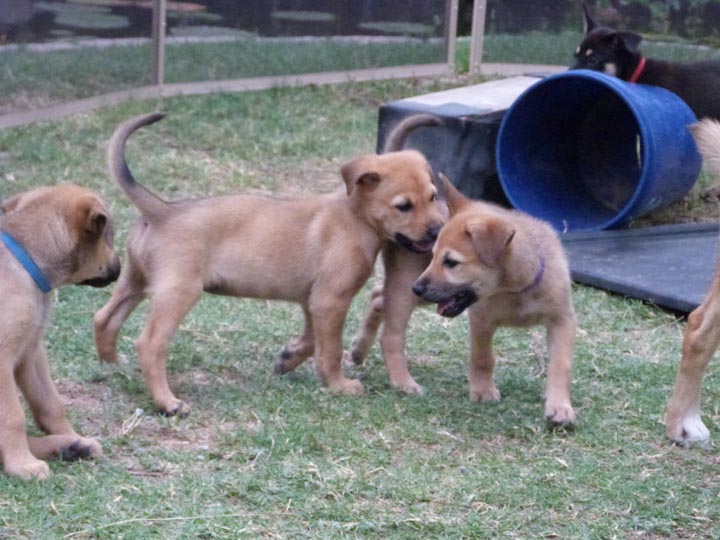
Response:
column 538, row 276
column 26, row 260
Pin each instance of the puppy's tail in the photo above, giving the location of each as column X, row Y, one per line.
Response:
column 706, row 133
column 399, row 134
column 147, row 202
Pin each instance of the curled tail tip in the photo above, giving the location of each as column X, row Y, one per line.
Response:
column 398, row 135
column 139, row 121
column 706, row 133
column 147, row 202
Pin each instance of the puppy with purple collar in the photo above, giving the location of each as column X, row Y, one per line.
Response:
column 616, row 53
column 49, row 237
column 507, row 269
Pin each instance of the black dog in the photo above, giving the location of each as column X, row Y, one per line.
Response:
column 616, row 53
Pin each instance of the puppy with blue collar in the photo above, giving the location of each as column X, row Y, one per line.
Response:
column 49, row 237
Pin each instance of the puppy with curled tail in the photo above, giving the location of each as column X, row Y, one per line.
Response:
column 316, row 251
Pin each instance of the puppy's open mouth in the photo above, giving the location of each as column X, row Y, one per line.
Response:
column 422, row 246
column 456, row 304
column 97, row 282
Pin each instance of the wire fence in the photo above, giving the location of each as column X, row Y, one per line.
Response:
column 61, row 56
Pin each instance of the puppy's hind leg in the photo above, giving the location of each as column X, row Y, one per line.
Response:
column 169, row 303
column 402, row 268
column 33, row 377
column 298, row 349
column 683, row 423
column 373, row 318
column 108, row 321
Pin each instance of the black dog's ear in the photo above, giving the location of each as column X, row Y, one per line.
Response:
column 589, row 23
column 628, row 41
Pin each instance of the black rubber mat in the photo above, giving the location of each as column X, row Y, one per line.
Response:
column 670, row 265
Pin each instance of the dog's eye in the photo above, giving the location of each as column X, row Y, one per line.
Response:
column 404, row 207
column 450, row 263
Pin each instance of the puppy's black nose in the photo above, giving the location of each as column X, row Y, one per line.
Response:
column 114, row 272
column 433, row 232
column 420, row 287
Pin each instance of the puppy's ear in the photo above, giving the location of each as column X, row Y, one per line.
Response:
column 490, row 238
column 626, row 41
column 589, row 23
column 360, row 171
column 10, row 204
column 456, row 201
column 99, row 223
column 95, row 217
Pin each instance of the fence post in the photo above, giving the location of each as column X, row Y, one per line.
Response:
column 477, row 36
column 451, row 22
column 158, row 42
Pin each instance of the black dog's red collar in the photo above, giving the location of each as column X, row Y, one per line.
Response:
column 638, row 70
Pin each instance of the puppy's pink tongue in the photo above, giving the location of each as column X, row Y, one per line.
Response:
column 442, row 307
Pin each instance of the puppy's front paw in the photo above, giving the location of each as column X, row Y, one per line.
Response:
column 485, row 393
column 349, row 387
column 559, row 414
column 28, row 469
column 687, row 429
column 81, row 449
column 175, row 407
column 408, row 386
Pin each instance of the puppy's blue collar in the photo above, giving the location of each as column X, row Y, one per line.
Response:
column 27, row 261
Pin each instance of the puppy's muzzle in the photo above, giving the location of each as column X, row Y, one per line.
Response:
column 424, row 244
column 452, row 300
column 110, row 275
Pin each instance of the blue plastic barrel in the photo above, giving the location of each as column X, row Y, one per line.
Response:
column 586, row 151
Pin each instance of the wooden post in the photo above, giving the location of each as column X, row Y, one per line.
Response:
column 477, row 35
column 451, row 22
column 158, row 42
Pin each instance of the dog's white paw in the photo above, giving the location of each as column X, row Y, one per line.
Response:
column 688, row 429
column 485, row 393
column 30, row 469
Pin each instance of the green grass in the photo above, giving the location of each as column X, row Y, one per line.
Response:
column 264, row 456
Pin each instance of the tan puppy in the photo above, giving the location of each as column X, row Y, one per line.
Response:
column 51, row 236
column 683, row 423
column 316, row 251
column 392, row 303
column 509, row 269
